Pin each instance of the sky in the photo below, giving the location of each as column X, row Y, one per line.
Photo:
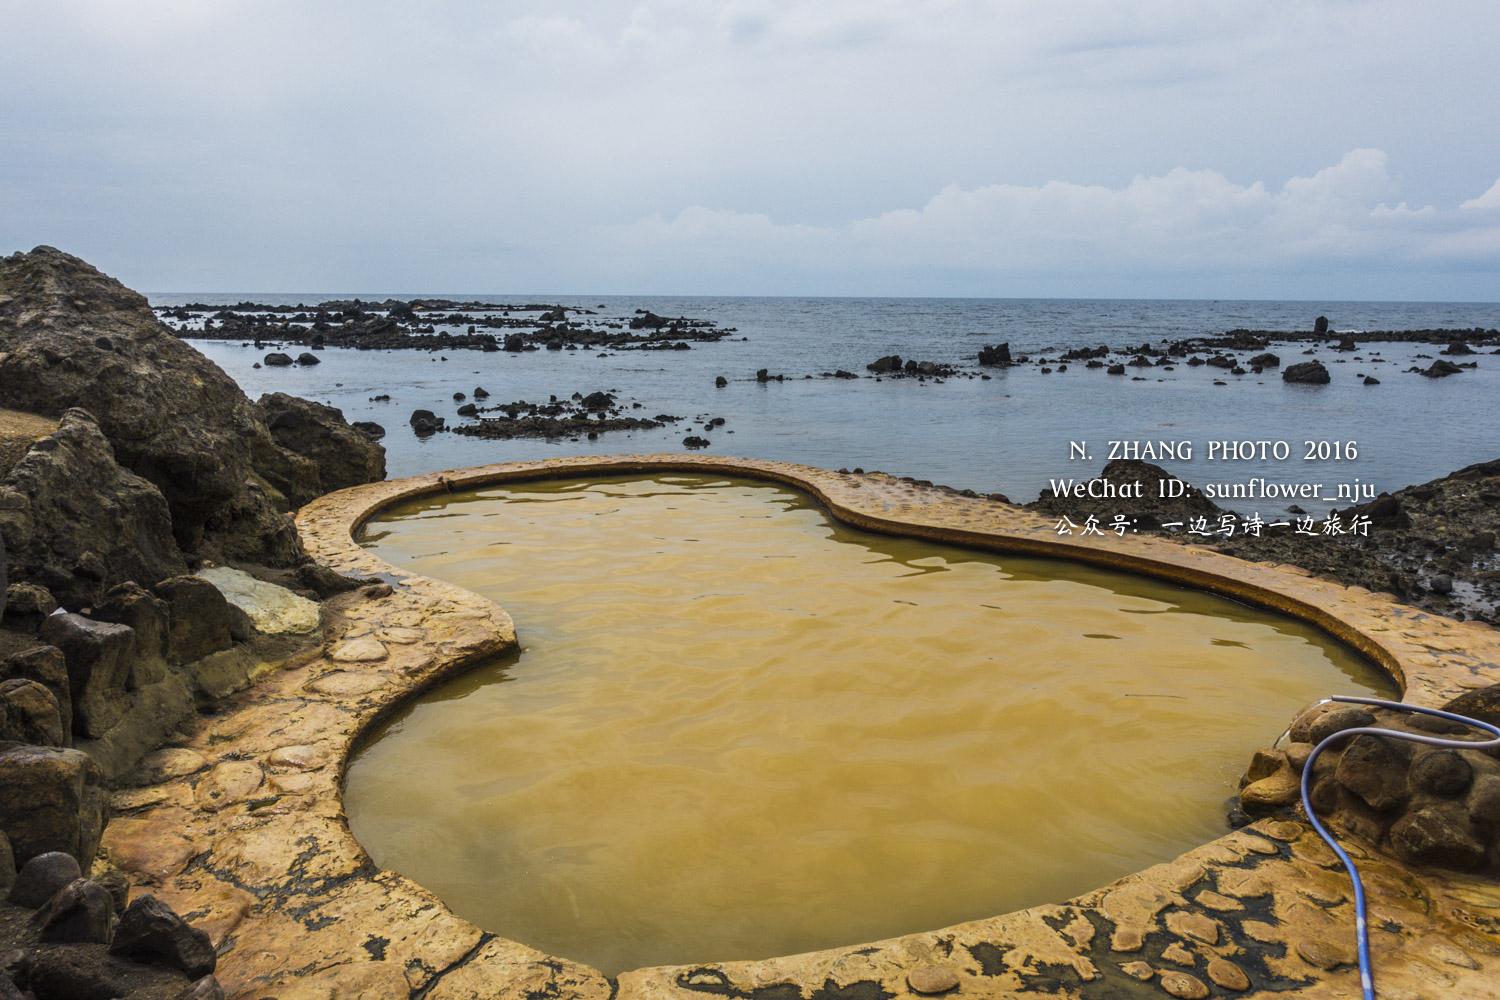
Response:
column 1324, row 149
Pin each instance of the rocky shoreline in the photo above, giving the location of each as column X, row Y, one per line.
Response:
column 438, row 325
column 153, row 571
column 1431, row 545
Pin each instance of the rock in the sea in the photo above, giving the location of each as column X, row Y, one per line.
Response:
column 997, row 356
column 720, row 382
column 77, row 522
column 369, row 429
column 886, row 365
column 201, row 619
column 694, row 441
column 1306, row 373
column 276, row 359
column 341, row 455
column 1267, row 360
column 1320, row 325
column 308, row 358
column 150, row 931
column 1441, row 369
column 81, row 912
column 274, row 610
column 42, row 877
column 29, row 713
column 98, row 659
column 54, row 801
column 426, row 423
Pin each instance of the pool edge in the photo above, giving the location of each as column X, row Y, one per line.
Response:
column 306, row 878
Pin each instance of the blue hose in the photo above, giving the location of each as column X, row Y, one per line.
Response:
column 1361, row 928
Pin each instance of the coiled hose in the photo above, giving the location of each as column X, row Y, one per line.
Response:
column 1361, row 928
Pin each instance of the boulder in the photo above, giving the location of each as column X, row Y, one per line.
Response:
column 425, row 422
column 54, row 801
column 42, row 877
column 369, row 429
column 272, row 610
column 47, row 666
column 1320, row 325
column 308, row 358
column 1332, row 718
column 340, row 454
column 1481, row 703
column 1306, row 373
column 1438, row 834
column 77, row 522
column 150, row 932
column 880, row 366
column 81, row 912
column 1441, row 772
column 254, row 527
column 29, row 713
column 98, row 660
column 149, row 617
column 276, row 359
column 1267, row 360
column 200, row 616
column 26, row 604
column 1375, row 770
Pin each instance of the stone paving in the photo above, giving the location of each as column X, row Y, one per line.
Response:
column 241, row 826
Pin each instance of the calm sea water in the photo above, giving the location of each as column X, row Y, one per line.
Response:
column 1010, row 434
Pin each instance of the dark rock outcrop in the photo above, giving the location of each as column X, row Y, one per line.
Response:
column 200, row 616
column 997, row 356
column 340, row 455
column 78, row 523
column 1306, row 373
column 71, row 336
column 98, row 659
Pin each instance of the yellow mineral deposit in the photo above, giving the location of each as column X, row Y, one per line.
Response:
column 737, row 729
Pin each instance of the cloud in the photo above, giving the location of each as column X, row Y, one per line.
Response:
column 1183, row 221
column 1490, row 199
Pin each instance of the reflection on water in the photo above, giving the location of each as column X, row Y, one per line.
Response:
column 736, row 729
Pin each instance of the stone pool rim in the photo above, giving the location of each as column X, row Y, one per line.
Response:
column 392, row 647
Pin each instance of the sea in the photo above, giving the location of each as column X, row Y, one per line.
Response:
column 1015, row 433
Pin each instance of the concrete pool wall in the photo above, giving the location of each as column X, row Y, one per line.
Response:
column 242, row 827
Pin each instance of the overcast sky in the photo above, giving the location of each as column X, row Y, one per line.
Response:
column 1299, row 149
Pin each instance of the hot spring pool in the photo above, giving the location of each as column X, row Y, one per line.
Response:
column 736, row 729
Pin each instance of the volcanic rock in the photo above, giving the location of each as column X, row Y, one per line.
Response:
column 150, row 931
column 77, row 522
column 1306, row 373
column 340, row 455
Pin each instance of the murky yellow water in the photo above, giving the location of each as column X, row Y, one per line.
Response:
column 737, row 730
